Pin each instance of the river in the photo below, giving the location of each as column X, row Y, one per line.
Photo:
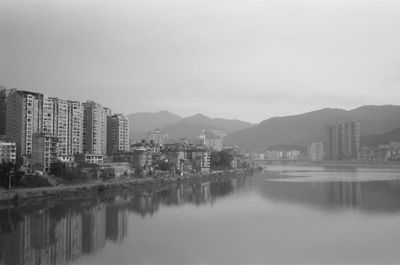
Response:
column 283, row 215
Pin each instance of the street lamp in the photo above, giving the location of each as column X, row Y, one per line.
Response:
column 9, row 179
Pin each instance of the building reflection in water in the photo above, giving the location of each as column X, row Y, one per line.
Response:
column 348, row 194
column 371, row 196
column 61, row 234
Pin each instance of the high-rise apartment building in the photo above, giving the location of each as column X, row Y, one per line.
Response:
column 117, row 134
column 68, row 126
column 28, row 113
column 3, row 108
column 23, row 118
column 158, row 137
column 60, row 112
column 211, row 140
column 75, row 128
column 95, row 128
column 351, row 140
column 343, row 141
column 46, row 114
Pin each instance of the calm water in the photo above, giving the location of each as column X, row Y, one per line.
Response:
column 286, row 215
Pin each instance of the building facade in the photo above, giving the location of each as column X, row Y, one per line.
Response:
column 343, row 141
column 117, row 134
column 28, row 113
column 95, row 128
column 3, row 109
column 74, row 128
column 23, row 118
column 68, row 126
column 45, row 151
column 8, row 151
column 211, row 140
column 315, row 151
column 158, row 137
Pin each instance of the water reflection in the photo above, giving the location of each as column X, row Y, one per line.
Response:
column 61, row 234
column 331, row 189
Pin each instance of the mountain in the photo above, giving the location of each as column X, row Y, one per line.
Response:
column 226, row 125
column 377, row 139
column 192, row 125
column 309, row 127
column 142, row 122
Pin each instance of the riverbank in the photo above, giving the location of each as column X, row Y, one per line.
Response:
column 355, row 163
column 63, row 193
column 382, row 164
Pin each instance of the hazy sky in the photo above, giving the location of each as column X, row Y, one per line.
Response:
column 245, row 59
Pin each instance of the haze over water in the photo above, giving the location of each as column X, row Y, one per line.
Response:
column 285, row 215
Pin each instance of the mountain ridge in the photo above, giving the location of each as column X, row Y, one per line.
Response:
column 177, row 127
column 308, row 127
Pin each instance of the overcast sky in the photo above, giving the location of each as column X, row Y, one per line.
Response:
column 245, row 59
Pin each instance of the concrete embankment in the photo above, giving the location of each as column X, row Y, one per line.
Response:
column 63, row 193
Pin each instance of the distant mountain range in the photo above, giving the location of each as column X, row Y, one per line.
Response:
column 309, row 127
column 377, row 139
column 378, row 124
column 178, row 127
column 142, row 122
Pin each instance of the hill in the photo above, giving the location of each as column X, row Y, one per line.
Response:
column 226, row 125
column 191, row 126
column 309, row 127
column 377, row 139
column 142, row 122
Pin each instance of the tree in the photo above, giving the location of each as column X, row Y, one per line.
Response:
column 58, row 169
column 221, row 160
column 166, row 165
column 9, row 174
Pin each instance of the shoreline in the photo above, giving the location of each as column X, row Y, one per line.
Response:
column 378, row 164
column 64, row 193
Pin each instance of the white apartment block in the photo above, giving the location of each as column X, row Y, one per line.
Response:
column 75, row 128
column 95, row 128
column 8, row 151
column 117, row 134
column 158, row 137
column 316, row 151
column 23, row 118
column 28, row 113
column 68, row 126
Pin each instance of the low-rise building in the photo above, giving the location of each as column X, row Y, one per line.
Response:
column 388, row 152
column 200, row 160
column 367, row 154
column 116, row 170
column 90, row 159
column 8, row 151
column 274, row 155
column 44, row 151
column 140, row 158
column 315, row 151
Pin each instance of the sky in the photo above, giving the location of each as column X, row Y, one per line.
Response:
column 236, row 59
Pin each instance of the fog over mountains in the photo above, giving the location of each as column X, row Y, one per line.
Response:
column 309, row 127
column 177, row 127
column 297, row 129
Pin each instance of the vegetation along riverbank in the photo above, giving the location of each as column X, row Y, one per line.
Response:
column 64, row 193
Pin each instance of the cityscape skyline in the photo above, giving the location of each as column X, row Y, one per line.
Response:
column 270, row 58
column 72, row 99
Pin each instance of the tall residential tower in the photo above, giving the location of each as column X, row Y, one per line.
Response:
column 343, row 141
column 95, row 128
column 117, row 134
